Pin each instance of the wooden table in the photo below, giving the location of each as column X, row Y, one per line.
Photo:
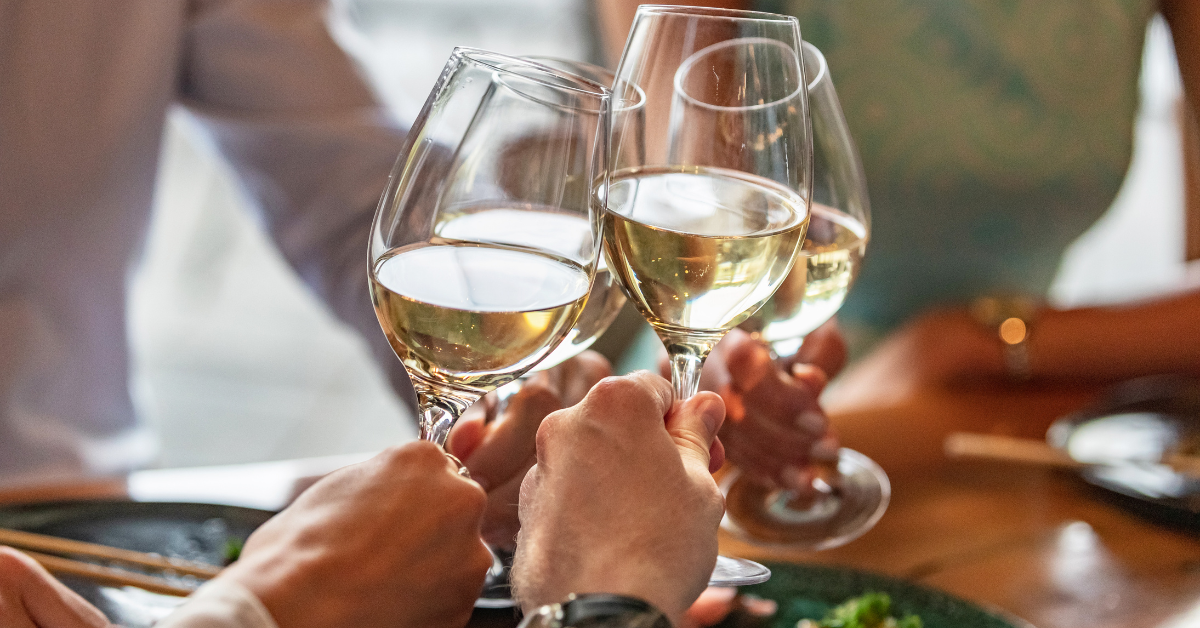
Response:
column 1038, row 544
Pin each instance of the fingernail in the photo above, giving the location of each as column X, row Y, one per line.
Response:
column 826, row 450
column 811, row 421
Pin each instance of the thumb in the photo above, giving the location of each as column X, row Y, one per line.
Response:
column 694, row 424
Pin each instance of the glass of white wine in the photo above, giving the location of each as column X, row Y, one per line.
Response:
column 509, row 144
column 705, row 222
column 852, row 496
column 606, row 299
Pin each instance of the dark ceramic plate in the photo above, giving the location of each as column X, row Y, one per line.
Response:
column 198, row 532
column 1139, row 422
column 809, row 591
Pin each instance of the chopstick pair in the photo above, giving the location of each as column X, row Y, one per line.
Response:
column 41, row 547
column 1036, row 452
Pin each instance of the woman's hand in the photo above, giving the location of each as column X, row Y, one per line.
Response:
column 775, row 427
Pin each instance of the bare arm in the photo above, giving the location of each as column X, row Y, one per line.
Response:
column 616, row 16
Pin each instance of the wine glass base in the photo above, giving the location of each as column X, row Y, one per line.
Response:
column 762, row 514
column 737, row 572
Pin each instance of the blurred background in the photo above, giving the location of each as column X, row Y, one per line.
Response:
column 234, row 361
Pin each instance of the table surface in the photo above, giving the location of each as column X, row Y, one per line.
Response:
column 1036, row 543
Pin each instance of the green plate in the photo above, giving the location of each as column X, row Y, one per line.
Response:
column 808, row 591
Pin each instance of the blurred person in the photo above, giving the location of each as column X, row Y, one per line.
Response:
column 86, row 89
column 992, row 135
column 620, row 519
column 87, row 85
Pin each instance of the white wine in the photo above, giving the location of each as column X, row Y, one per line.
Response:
column 817, row 286
column 567, row 233
column 700, row 249
column 474, row 316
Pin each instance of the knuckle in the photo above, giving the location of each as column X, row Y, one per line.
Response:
column 549, row 430
column 610, row 389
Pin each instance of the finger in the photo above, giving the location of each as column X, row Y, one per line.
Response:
column 824, row 348
column 12, row 613
column 768, row 444
column 748, row 361
column 47, row 601
column 716, row 456
column 575, row 377
column 640, row 395
column 810, row 376
column 694, row 426
column 468, row 432
column 712, row 606
column 501, row 522
column 509, row 443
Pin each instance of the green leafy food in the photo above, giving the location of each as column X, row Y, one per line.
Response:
column 872, row 610
column 232, row 549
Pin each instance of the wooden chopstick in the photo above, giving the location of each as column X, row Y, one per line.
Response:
column 1032, row 451
column 108, row 575
column 56, row 545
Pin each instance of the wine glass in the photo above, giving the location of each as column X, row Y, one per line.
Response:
column 606, row 299
column 851, row 497
column 505, row 142
column 704, row 224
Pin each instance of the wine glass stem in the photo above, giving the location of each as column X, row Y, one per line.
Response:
column 438, row 414
column 685, row 374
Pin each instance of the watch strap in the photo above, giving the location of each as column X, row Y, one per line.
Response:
column 597, row 610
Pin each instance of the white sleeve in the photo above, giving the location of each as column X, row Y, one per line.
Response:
column 222, row 603
column 312, row 147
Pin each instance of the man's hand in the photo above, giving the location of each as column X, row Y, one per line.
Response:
column 31, row 598
column 499, row 450
column 621, row 499
column 393, row 542
column 776, row 428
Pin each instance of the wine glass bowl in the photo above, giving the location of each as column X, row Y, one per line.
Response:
column 853, row 492
column 480, row 265
column 704, row 224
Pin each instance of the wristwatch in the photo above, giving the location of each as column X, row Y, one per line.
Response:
column 597, row 610
column 1011, row 319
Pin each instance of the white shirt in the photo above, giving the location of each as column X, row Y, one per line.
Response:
column 84, row 89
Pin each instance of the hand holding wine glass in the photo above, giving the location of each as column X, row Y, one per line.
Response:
column 704, row 223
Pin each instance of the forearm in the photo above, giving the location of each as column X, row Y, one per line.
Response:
column 1109, row 343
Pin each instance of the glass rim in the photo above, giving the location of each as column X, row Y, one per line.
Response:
column 822, row 64
column 734, row 14
column 503, row 63
column 618, row 102
column 696, row 56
